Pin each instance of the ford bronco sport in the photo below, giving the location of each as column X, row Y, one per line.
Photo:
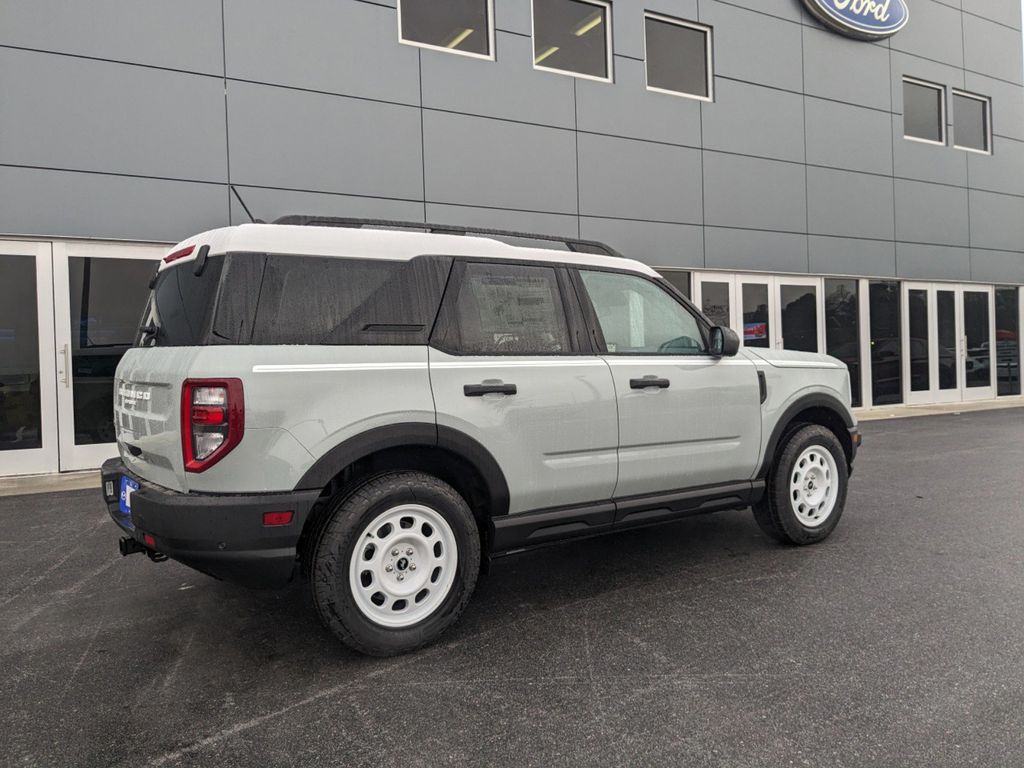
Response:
column 380, row 410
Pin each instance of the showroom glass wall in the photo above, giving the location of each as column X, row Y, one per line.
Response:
column 903, row 342
column 69, row 311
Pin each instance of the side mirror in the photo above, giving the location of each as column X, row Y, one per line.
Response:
column 724, row 342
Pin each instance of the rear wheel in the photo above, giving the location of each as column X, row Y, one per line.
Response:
column 396, row 563
column 806, row 490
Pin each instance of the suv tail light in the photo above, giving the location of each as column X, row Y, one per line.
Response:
column 212, row 420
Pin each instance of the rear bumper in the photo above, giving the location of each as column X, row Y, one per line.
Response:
column 220, row 535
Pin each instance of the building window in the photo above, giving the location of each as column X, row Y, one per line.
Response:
column 886, row 342
column 459, row 26
column 573, row 37
column 924, row 111
column 679, row 279
column 678, row 55
column 842, row 329
column 1007, row 340
column 972, row 122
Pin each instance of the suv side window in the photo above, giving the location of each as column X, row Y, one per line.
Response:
column 638, row 317
column 345, row 301
column 507, row 309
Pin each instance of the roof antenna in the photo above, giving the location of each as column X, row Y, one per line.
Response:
column 248, row 213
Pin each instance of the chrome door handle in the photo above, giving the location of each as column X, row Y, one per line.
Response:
column 66, row 376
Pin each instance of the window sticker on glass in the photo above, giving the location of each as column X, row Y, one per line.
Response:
column 504, row 309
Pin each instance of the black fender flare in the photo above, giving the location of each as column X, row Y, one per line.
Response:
column 411, row 435
column 813, row 400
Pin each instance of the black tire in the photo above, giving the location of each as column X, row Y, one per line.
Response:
column 351, row 513
column 775, row 513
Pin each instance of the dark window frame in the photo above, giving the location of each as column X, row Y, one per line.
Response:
column 986, row 103
column 489, row 56
column 709, row 56
column 245, row 306
column 943, row 112
column 579, row 344
column 609, row 50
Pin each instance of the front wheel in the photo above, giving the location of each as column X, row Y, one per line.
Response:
column 806, row 489
column 396, row 564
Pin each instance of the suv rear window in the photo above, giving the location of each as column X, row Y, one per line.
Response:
column 178, row 311
column 312, row 300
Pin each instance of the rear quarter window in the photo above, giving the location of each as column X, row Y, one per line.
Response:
column 340, row 301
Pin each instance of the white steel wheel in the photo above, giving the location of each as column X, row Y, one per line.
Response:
column 403, row 565
column 814, row 486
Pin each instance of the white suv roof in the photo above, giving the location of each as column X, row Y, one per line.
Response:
column 381, row 244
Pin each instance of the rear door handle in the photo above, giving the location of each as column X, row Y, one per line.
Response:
column 649, row 381
column 496, row 388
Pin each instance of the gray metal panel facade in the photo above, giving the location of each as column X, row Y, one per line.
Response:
column 127, row 119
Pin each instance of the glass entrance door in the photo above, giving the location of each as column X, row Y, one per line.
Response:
column 979, row 364
column 28, row 412
column 801, row 320
column 948, row 333
column 100, row 291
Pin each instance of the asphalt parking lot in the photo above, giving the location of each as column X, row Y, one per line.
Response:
column 898, row 642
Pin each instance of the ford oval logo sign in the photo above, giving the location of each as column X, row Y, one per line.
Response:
column 863, row 19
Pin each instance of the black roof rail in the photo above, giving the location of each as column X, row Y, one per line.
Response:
column 574, row 244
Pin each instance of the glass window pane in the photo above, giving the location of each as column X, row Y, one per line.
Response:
column 326, row 300
column 679, row 279
column 20, row 406
column 107, row 298
column 180, row 303
column 638, row 317
column 945, row 308
column 677, row 57
column 1008, row 341
column 460, row 25
column 715, row 303
column 756, row 325
column 842, row 329
column 509, row 310
column 922, row 111
column 799, row 317
column 979, row 347
column 886, row 351
column 920, row 374
column 970, row 123
column 571, row 36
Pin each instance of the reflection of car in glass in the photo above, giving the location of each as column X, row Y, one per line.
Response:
column 1008, row 356
column 93, row 376
column 886, row 367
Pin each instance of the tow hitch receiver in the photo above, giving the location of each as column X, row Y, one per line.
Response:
column 129, row 546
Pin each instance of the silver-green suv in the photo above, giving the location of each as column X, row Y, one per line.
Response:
column 379, row 410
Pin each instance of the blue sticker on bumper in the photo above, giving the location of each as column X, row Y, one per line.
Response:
column 128, row 487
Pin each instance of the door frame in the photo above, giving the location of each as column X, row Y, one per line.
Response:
column 992, row 390
column 818, row 284
column 934, row 393
column 74, row 456
column 45, row 459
